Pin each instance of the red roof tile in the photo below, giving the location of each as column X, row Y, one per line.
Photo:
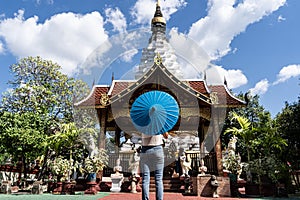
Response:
column 199, row 86
column 94, row 97
column 119, row 86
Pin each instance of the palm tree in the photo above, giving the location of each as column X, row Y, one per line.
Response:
column 245, row 131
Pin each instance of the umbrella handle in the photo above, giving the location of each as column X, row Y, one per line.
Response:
column 166, row 135
column 152, row 109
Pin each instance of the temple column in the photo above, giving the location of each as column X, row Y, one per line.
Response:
column 102, row 115
column 217, row 140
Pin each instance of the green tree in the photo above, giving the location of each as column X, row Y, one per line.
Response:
column 263, row 145
column 254, row 113
column 20, row 135
column 288, row 122
column 40, row 95
column 244, row 130
column 38, row 86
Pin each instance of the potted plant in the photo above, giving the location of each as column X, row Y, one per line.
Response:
column 61, row 168
column 94, row 164
column 232, row 164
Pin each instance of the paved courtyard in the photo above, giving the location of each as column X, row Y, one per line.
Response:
column 167, row 196
column 121, row 196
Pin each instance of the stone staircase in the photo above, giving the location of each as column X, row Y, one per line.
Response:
column 170, row 184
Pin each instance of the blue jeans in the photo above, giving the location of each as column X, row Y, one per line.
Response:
column 152, row 159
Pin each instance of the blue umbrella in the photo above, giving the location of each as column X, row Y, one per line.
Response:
column 154, row 112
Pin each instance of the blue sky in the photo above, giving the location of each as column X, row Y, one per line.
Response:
column 254, row 44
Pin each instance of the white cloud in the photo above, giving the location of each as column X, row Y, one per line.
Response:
column 127, row 56
column 280, row 18
column 192, row 59
column 50, row 2
column 1, row 48
column 116, row 18
column 260, row 88
column 234, row 77
column 143, row 10
column 63, row 38
column 226, row 19
column 287, row 72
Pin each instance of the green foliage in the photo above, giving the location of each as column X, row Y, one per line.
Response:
column 263, row 144
column 288, row 123
column 232, row 162
column 62, row 167
column 37, row 110
column 244, row 130
column 63, row 138
column 96, row 163
column 38, row 86
column 21, row 134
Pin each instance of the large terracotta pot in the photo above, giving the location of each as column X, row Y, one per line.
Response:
column 252, row 189
column 58, row 188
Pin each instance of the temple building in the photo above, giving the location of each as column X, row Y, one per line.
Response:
column 203, row 107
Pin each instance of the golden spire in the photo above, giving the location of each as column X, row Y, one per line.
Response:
column 158, row 17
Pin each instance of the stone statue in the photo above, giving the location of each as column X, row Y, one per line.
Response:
column 185, row 162
column 117, row 168
column 231, row 160
column 134, row 164
column 202, row 168
column 214, row 183
column 232, row 144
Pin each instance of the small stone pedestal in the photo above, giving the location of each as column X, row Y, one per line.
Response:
column 37, row 188
column 6, row 187
column 116, row 183
column 91, row 188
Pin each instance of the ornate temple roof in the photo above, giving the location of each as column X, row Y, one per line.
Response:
column 216, row 95
column 220, row 93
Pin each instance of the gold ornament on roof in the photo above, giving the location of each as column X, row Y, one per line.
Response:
column 104, row 100
column 157, row 59
column 214, row 98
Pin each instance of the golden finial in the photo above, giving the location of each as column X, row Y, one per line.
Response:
column 158, row 3
column 158, row 16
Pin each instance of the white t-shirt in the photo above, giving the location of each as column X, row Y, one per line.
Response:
column 154, row 140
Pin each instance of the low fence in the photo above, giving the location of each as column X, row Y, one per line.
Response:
column 125, row 158
column 210, row 161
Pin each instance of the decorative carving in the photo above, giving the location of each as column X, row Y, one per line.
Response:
column 205, row 113
column 157, row 59
column 214, row 98
column 104, row 100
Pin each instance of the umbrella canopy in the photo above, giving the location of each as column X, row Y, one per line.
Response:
column 154, row 112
